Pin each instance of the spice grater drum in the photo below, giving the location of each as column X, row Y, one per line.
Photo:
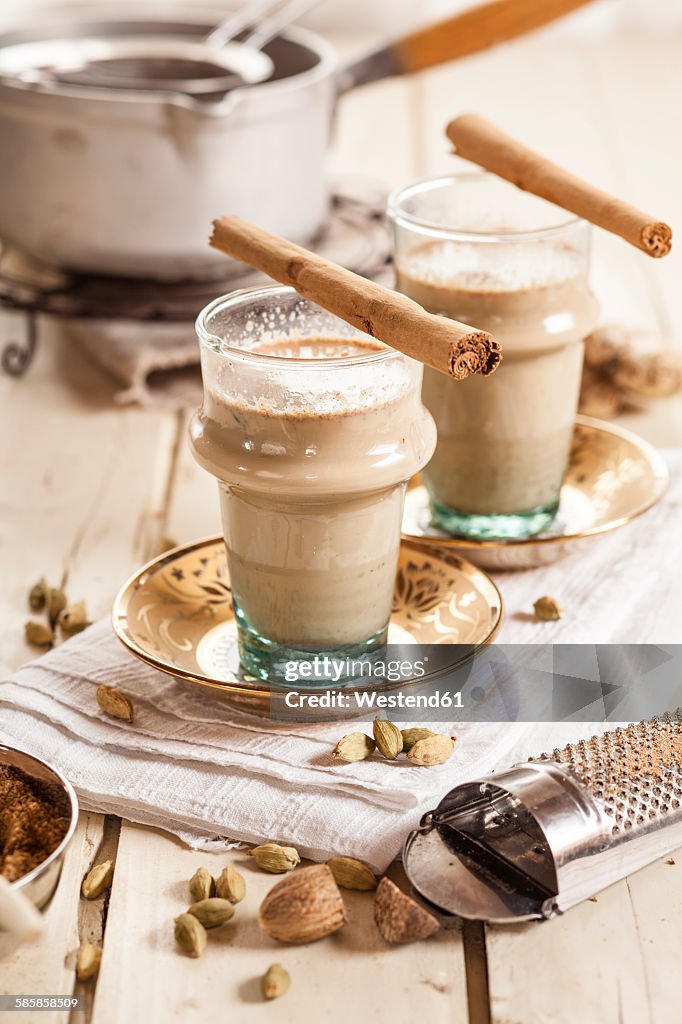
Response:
column 534, row 840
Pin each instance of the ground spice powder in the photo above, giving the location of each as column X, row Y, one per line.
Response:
column 34, row 818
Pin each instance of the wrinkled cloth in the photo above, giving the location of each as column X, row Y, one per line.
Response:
column 156, row 363
column 213, row 775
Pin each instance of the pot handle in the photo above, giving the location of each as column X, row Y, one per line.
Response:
column 468, row 32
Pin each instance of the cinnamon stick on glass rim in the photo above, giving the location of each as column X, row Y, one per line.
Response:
column 485, row 144
column 446, row 345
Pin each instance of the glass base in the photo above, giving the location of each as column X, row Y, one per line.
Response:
column 279, row 663
column 504, row 526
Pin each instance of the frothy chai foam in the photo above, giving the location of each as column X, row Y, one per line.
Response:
column 311, row 461
column 503, row 442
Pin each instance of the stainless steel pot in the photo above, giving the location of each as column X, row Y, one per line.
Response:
column 118, row 182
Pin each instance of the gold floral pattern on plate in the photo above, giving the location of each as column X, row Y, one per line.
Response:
column 613, row 476
column 176, row 613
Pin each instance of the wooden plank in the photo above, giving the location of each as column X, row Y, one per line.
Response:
column 84, row 507
column 92, row 915
column 46, row 967
column 656, row 900
column 352, row 975
column 85, row 495
column 584, row 966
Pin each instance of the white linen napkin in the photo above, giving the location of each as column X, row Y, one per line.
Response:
column 194, row 766
column 214, row 776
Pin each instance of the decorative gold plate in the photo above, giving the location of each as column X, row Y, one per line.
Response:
column 175, row 613
column 613, row 476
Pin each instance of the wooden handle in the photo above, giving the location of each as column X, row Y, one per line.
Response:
column 451, row 347
column 476, row 29
column 485, row 144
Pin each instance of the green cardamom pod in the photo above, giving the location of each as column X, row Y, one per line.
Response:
column 350, row 873
column 201, row 885
column 230, row 885
column 275, row 858
column 56, row 603
column 73, row 619
column 212, row 912
column 410, row 737
column 97, row 880
column 37, row 595
column 388, row 737
column 88, row 960
column 433, row 750
column 190, row 935
column 354, row 747
column 275, row 982
column 37, row 634
column 547, row 609
column 114, row 703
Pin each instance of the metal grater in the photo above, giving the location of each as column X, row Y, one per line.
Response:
column 535, row 840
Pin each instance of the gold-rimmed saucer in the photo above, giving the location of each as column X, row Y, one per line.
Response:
column 613, row 477
column 176, row 614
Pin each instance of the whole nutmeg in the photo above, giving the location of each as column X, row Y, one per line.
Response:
column 399, row 918
column 389, row 738
column 303, row 907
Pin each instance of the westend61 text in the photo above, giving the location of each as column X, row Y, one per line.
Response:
column 372, row 701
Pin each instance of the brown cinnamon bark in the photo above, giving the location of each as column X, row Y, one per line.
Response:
column 483, row 143
column 447, row 345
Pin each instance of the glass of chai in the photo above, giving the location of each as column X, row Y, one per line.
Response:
column 312, row 429
column 477, row 249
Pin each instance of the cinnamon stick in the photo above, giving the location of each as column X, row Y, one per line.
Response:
column 485, row 144
column 446, row 345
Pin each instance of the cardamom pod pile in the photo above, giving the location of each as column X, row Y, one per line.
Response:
column 68, row 618
column 213, row 906
column 422, row 746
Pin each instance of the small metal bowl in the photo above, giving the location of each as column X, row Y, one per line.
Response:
column 40, row 883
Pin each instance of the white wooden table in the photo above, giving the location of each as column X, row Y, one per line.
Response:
column 88, row 491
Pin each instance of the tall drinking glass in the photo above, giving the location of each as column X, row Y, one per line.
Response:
column 474, row 248
column 312, row 430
